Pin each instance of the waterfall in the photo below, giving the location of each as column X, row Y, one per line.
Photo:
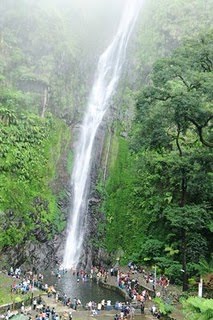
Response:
column 106, row 78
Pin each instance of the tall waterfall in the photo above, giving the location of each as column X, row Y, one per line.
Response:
column 107, row 76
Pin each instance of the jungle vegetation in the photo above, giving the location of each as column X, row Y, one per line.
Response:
column 157, row 197
column 46, row 67
column 158, row 189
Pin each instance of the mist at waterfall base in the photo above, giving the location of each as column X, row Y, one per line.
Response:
column 106, row 79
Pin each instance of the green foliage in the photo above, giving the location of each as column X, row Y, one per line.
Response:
column 198, row 308
column 173, row 271
column 164, row 308
column 44, row 57
column 174, row 119
column 162, row 27
column 11, row 99
column 150, row 250
column 5, row 293
column 117, row 190
column 204, row 267
column 29, row 152
column 167, row 201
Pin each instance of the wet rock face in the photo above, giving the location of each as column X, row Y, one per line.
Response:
column 29, row 255
column 42, row 253
column 36, row 256
column 92, row 254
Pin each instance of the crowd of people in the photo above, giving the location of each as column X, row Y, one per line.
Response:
column 140, row 296
column 27, row 281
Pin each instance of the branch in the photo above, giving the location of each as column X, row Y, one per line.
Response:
column 184, row 81
column 200, row 130
column 207, row 120
column 206, row 64
column 177, row 141
column 162, row 98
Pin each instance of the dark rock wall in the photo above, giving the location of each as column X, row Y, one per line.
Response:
column 93, row 254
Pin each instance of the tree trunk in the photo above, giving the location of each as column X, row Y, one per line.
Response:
column 44, row 102
column 184, row 267
column 182, row 203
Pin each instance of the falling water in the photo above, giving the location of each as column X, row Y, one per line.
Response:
column 107, row 76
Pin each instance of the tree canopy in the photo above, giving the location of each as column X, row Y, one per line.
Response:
column 168, row 186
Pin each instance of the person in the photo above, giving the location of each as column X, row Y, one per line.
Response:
column 8, row 314
column 11, row 272
column 57, row 317
column 90, row 305
column 121, row 314
column 116, row 317
column 103, row 304
column 75, row 303
column 39, row 300
column 47, row 311
column 34, row 303
column 153, row 310
column 142, row 307
column 70, row 315
column 112, row 271
column 108, row 305
column 53, row 312
column 22, row 307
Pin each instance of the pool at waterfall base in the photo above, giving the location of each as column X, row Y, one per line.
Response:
column 86, row 290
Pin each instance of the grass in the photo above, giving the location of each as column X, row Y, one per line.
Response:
column 6, row 297
column 5, row 289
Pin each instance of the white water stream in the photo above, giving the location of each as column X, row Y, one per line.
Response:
column 107, row 76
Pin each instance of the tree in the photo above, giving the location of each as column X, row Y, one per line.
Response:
column 173, row 141
column 186, row 221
